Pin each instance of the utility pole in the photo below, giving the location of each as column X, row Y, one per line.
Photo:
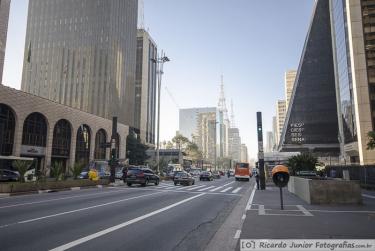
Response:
column 260, row 152
column 113, row 150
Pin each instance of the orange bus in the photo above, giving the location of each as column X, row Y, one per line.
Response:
column 242, row 171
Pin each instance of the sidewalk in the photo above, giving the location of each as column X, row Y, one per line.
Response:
column 265, row 220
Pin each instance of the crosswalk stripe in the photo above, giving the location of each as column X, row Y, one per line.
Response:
column 236, row 190
column 197, row 187
column 226, row 189
column 206, row 188
column 184, row 187
column 215, row 189
column 168, row 188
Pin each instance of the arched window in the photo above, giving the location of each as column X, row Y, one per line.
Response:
column 62, row 134
column 100, row 141
column 35, row 130
column 83, row 144
column 7, row 127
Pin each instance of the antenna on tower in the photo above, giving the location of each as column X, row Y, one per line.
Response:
column 222, row 103
column 141, row 15
column 233, row 124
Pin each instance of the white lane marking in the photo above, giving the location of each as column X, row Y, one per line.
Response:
column 87, row 208
column 251, row 198
column 215, row 189
column 193, row 188
column 339, row 211
column 236, row 190
column 368, row 196
column 57, row 199
column 226, row 189
column 166, row 188
column 166, row 184
column 206, row 188
column 184, row 187
column 243, row 217
column 304, row 210
column 261, row 210
column 122, row 225
column 237, row 235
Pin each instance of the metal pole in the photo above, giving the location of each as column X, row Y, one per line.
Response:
column 159, row 69
column 262, row 179
column 281, row 199
column 113, row 149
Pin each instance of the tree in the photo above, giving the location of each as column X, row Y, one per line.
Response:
column 371, row 142
column 57, row 171
column 192, row 150
column 302, row 162
column 77, row 169
column 21, row 166
column 180, row 141
column 136, row 150
column 169, row 145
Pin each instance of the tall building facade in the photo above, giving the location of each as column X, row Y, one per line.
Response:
column 289, row 78
column 311, row 120
column 274, row 133
column 280, row 117
column 269, row 142
column 206, row 135
column 188, row 120
column 234, row 144
column 81, row 53
column 244, row 154
column 353, row 33
column 145, row 87
column 4, row 16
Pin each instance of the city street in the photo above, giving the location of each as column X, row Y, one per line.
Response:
column 164, row 217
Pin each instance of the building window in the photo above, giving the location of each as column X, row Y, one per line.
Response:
column 35, row 130
column 7, row 127
column 83, row 144
column 100, row 141
column 61, row 139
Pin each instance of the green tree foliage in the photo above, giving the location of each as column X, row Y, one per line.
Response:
column 57, row 171
column 136, row 150
column 76, row 169
column 192, row 150
column 371, row 140
column 21, row 166
column 169, row 145
column 180, row 141
column 302, row 162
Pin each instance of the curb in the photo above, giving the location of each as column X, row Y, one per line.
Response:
column 4, row 195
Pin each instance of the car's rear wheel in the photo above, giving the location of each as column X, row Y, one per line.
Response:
column 193, row 182
column 175, row 183
column 129, row 184
column 156, row 182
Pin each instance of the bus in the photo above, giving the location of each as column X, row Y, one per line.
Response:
column 242, row 172
column 6, row 166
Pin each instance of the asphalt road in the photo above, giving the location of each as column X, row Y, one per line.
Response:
column 164, row 217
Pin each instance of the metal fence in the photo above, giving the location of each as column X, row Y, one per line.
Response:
column 365, row 174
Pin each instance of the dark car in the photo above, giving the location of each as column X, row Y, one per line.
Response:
column 8, row 175
column 183, row 178
column 216, row 175
column 142, row 176
column 205, row 176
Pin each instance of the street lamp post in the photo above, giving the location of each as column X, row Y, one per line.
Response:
column 159, row 61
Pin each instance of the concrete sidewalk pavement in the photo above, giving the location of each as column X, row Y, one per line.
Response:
column 299, row 220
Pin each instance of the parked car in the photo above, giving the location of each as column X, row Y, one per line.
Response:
column 8, row 175
column 101, row 166
column 183, row 178
column 221, row 173
column 206, row 175
column 216, row 175
column 142, row 176
column 119, row 173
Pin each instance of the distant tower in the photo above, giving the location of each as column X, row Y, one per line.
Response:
column 141, row 14
column 222, row 103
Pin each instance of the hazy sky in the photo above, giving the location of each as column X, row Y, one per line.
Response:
column 251, row 42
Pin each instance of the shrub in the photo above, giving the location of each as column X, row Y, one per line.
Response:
column 76, row 169
column 302, row 162
column 57, row 171
column 21, row 166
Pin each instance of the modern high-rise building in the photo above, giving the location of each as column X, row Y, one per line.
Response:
column 188, row 120
column 280, row 117
column 82, row 53
column 234, row 146
column 4, row 16
column 206, row 135
column 269, row 142
column 289, row 78
column 311, row 119
column 274, row 133
column 353, row 33
column 244, row 154
column 145, row 87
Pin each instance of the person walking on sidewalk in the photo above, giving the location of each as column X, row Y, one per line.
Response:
column 257, row 180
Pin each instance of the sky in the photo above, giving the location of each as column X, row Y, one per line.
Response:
column 250, row 42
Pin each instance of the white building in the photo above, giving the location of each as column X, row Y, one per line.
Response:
column 280, row 117
column 244, row 154
column 289, row 78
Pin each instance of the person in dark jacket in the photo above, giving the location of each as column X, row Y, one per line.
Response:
column 257, row 180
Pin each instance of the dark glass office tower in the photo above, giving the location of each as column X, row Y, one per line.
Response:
column 81, row 53
column 311, row 121
column 4, row 16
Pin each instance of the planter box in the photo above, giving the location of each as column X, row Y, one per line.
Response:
column 16, row 187
column 315, row 191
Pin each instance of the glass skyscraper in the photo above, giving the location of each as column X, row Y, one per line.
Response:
column 4, row 16
column 81, row 53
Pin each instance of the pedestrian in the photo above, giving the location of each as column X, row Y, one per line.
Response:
column 228, row 173
column 257, row 180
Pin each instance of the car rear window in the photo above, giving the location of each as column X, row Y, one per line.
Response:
column 134, row 171
column 243, row 165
